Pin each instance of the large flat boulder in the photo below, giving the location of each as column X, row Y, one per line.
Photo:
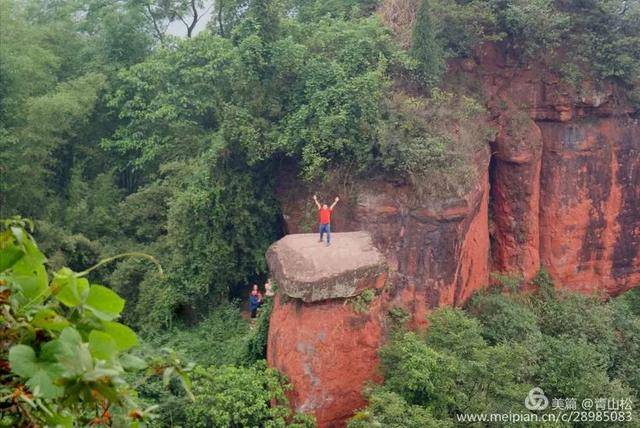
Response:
column 309, row 270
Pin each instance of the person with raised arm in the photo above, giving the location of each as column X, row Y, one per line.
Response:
column 324, row 212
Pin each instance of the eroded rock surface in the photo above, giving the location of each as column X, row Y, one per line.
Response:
column 328, row 352
column 565, row 177
column 437, row 251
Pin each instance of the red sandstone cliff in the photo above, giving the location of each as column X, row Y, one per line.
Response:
column 565, row 177
column 560, row 190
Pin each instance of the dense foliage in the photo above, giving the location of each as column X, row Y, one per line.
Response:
column 66, row 361
column 581, row 38
column 485, row 359
column 63, row 356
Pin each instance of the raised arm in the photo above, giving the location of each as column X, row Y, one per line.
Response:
column 334, row 202
column 315, row 199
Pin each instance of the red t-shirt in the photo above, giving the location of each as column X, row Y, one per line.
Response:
column 325, row 215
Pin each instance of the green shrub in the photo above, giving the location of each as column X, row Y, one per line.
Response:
column 65, row 249
column 462, row 25
column 65, row 357
column 256, row 347
column 223, row 333
column 388, row 409
column 425, row 47
column 627, row 353
column 418, row 373
column 399, row 315
column 578, row 316
column 362, row 301
column 534, row 26
column 587, row 349
column 418, row 141
column 571, row 367
column 237, row 397
column 505, row 318
column 453, row 331
column 509, row 282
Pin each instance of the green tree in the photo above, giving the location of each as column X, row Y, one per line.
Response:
column 425, row 47
column 390, row 409
column 53, row 124
column 505, row 319
column 237, row 397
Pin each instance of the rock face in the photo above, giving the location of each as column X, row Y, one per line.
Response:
column 437, row 252
column 326, row 348
column 590, row 221
column 565, row 177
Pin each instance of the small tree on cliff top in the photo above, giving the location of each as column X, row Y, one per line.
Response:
column 425, row 47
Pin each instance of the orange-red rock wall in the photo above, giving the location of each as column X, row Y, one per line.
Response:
column 590, row 215
column 328, row 351
column 437, row 255
column 565, row 176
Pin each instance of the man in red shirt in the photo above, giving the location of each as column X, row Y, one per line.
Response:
column 325, row 218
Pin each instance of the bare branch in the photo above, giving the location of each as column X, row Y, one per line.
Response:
column 195, row 18
column 159, row 34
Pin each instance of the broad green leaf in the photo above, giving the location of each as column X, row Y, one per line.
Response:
column 42, row 383
column 30, row 274
column 40, row 374
column 10, row 253
column 102, row 345
column 125, row 337
column 69, row 289
column 50, row 320
column 33, row 251
column 51, row 350
column 104, row 302
column 74, row 355
column 22, row 359
column 131, row 362
column 70, row 337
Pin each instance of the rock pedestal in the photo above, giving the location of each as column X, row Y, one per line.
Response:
column 322, row 336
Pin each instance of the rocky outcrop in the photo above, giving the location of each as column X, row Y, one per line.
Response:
column 436, row 254
column 590, row 216
column 515, row 196
column 323, row 343
column 305, row 269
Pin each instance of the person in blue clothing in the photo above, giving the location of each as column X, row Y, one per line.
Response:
column 255, row 300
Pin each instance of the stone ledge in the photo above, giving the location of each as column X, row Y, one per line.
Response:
column 309, row 270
